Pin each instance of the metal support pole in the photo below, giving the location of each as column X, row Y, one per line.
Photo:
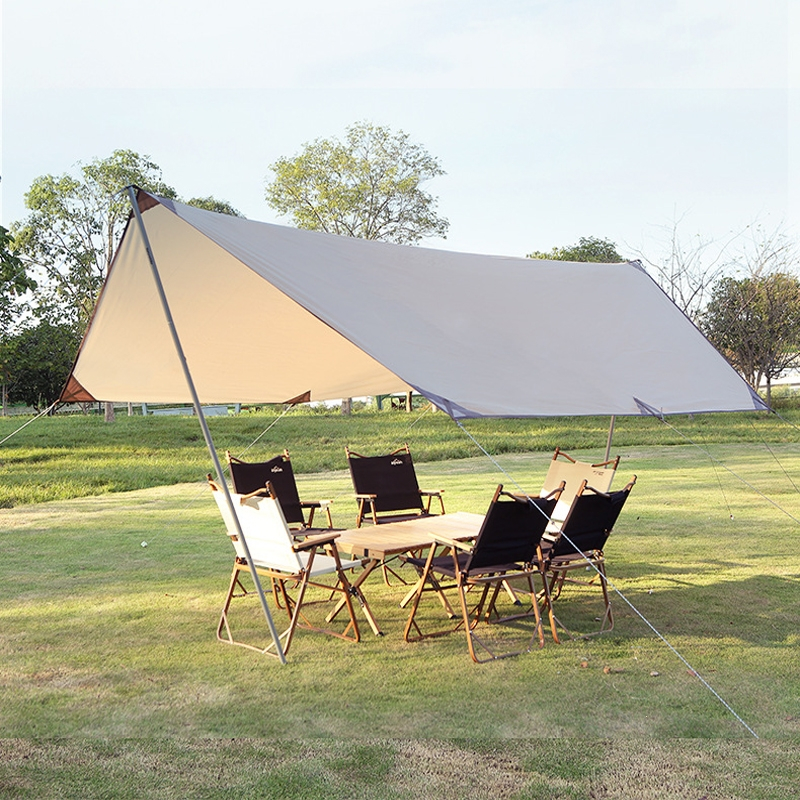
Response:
column 610, row 437
column 203, row 424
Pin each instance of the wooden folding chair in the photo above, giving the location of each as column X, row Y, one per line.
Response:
column 506, row 549
column 293, row 567
column 386, row 487
column 563, row 467
column 580, row 544
column 248, row 477
column 387, row 490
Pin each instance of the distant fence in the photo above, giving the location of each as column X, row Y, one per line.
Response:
column 125, row 408
column 209, row 411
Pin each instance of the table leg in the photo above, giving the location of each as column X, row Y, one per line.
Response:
column 356, row 587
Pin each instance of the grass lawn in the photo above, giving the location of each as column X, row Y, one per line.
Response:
column 113, row 684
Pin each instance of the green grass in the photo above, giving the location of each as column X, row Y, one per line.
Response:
column 112, row 684
column 59, row 457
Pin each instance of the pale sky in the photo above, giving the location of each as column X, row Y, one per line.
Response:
column 553, row 119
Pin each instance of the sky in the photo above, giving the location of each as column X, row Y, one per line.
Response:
column 553, row 119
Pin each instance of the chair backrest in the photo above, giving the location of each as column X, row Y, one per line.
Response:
column 391, row 478
column 511, row 530
column 565, row 468
column 248, row 477
column 590, row 520
column 268, row 537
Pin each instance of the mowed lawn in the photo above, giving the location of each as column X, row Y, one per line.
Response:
column 113, row 684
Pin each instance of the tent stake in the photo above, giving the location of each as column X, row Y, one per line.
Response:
column 203, row 424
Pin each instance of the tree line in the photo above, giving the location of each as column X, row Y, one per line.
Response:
column 370, row 184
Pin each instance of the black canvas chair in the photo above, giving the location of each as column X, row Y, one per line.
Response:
column 248, row 477
column 506, row 550
column 292, row 566
column 386, row 487
column 584, row 533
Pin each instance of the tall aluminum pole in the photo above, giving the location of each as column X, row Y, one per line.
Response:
column 203, row 424
column 610, row 437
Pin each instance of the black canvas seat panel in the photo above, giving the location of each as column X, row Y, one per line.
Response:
column 510, row 534
column 252, row 476
column 391, row 478
column 589, row 523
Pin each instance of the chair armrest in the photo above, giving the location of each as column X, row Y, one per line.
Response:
column 366, row 496
column 627, row 487
column 465, row 546
column 263, row 492
column 431, row 492
column 315, row 503
column 315, row 541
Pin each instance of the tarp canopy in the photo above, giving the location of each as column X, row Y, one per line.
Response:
column 271, row 314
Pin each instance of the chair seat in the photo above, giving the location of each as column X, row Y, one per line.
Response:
column 562, row 561
column 403, row 517
column 323, row 565
column 444, row 566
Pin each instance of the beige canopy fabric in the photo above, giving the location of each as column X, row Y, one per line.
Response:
column 267, row 313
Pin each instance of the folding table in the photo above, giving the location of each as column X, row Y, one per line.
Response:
column 379, row 542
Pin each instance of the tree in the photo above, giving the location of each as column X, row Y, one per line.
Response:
column 588, row 248
column 14, row 282
column 13, row 278
column 38, row 361
column 368, row 186
column 689, row 267
column 74, row 226
column 212, row 204
column 755, row 323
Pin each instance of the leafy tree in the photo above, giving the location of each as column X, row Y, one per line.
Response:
column 14, row 282
column 74, row 226
column 588, row 248
column 368, row 186
column 755, row 323
column 212, row 204
column 38, row 361
column 13, row 278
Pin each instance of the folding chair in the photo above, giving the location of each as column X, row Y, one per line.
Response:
column 505, row 549
column 248, row 477
column 579, row 546
column 286, row 561
column 387, row 488
column 572, row 472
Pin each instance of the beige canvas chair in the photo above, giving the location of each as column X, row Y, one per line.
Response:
column 572, row 472
column 292, row 566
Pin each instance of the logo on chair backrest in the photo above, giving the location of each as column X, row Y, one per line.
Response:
column 276, row 468
column 396, row 462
